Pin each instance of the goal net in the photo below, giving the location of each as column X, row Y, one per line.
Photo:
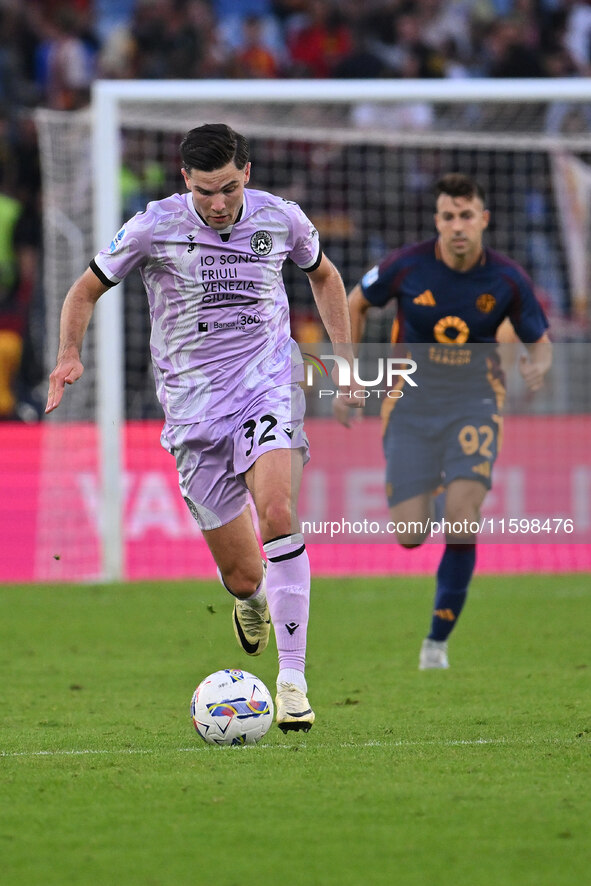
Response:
column 361, row 159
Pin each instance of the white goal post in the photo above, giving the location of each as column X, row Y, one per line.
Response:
column 540, row 115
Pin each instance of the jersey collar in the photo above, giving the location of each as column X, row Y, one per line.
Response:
column 481, row 261
column 226, row 231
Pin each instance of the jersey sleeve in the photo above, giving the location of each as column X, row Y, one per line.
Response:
column 305, row 252
column 129, row 249
column 378, row 285
column 526, row 313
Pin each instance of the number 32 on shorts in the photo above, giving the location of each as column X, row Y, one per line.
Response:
column 265, row 424
column 480, row 439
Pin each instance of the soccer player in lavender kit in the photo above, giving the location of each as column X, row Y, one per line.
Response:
column 453, row 296
column 224, row 363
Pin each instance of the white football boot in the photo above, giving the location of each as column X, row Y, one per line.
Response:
column 433, row 655
column 294, row 713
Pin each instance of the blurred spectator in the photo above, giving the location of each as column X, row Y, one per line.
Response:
column 10, row 60
column 408, row 57
column 320, row 43
column 118, row 57
column 24, row 175
column 254, row 58
column 226, row 9
column 18, row 44
column 559, row 62
column 153, row 30
column 415, row 56
column 286, row 10
column 509, row 53
column 578, row 35
column 111, row 15
column 454, row 65
column 441, row 22
column 201, row 17
column 232, row 16
column 19, row 259
column 49, row 48
column 380, row 20
column 66, row 61
column 165, row 39
column 362, row 62
column 21, row 348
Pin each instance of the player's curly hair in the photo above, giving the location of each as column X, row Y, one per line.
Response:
column 456, row 184
column 212, row 146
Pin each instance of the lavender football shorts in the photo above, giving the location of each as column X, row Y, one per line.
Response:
column 212, row 456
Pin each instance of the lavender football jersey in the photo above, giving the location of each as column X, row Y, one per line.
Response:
column 219, row 310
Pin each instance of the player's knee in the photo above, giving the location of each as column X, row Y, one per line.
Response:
column 243, row 579
column 411, row 522
column 411, row 533
column 461, row 530
column 410, row 542
column 461, row 525
column 276, row 518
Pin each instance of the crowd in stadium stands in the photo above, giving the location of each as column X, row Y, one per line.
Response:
column 51, row 51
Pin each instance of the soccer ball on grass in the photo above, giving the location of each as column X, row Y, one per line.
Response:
column 232, row 707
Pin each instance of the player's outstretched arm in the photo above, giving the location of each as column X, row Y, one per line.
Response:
column 358, row 306
column 331, row 300
column 76, row 313
column 534, row 365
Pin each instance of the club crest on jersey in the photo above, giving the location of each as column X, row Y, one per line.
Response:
column 261, row 243
column 451, row 331
column 486, row 302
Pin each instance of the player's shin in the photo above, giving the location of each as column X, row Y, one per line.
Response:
column 250, row 617
column 288, row 595
column 453, row 577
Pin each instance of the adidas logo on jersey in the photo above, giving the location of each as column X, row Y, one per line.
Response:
column 425, row 298
column 483, row 468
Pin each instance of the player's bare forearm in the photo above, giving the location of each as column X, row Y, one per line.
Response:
column 536, row 363
column 75, row 317
column 331, row 301
column 358, row 306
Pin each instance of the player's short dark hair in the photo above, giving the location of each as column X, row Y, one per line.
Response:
column 456, row 184
column 212, row 146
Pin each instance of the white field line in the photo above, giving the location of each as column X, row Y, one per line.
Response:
column 81, row 752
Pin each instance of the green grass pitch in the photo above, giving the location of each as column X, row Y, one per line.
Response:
column 478, row 776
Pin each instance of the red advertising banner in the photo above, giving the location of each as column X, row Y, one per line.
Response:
column 537, row 517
